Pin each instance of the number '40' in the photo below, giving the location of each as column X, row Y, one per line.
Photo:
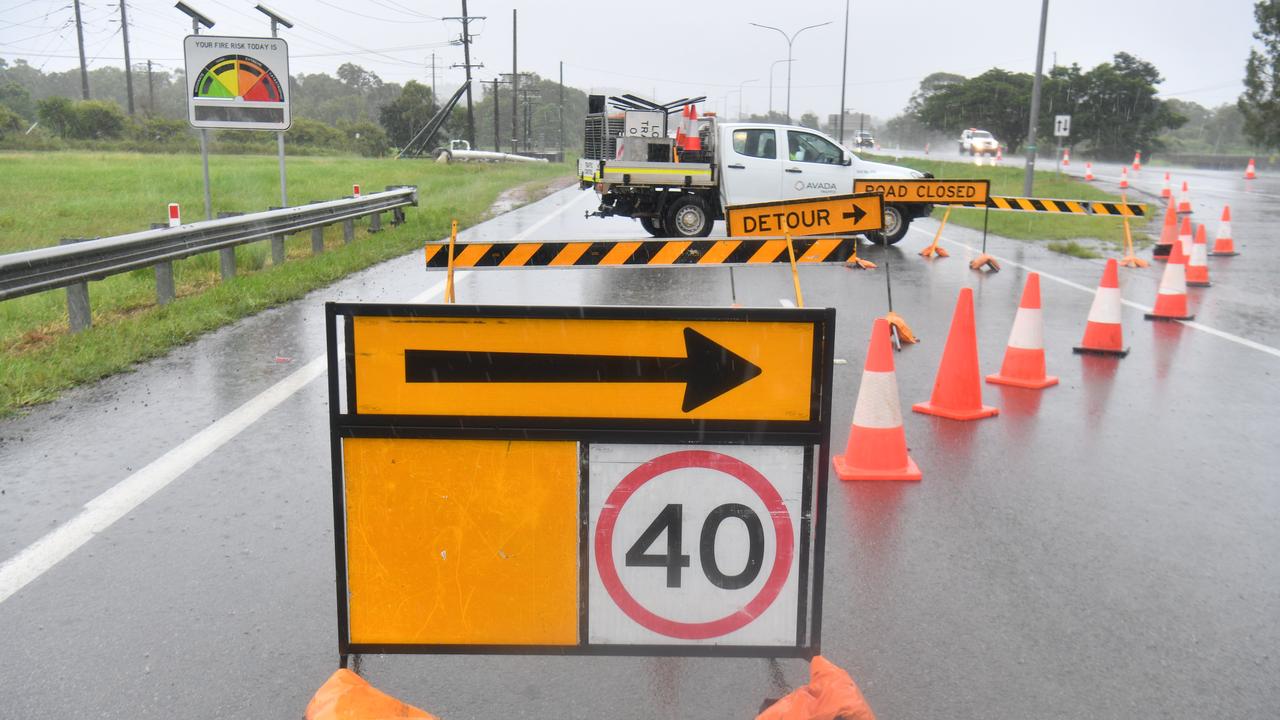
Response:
column 670, row 521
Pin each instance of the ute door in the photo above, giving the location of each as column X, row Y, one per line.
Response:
column 814, row 166
column 752, row 171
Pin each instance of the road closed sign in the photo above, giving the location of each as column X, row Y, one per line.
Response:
column 579, row 480
column 929, row 190
column 695, row 544
column 826, row 215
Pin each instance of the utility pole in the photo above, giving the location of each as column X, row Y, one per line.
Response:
column 1028, row 176
column 844, row 71
column 151, row 92
column 84, row 68
column 497, row 143
column 128, row 69
column 466, row 64
column 560, row 114
column 515, row 88
column 433, row 78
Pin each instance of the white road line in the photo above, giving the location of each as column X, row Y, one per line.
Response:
column 1246, row 342
column 125, row 496
column 786, row 303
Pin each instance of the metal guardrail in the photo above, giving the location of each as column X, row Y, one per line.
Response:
column 73, row 264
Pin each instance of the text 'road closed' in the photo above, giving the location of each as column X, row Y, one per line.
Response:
column 934, row 191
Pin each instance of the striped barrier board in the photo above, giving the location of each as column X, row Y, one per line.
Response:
column 1048, row 205
column 596, row 253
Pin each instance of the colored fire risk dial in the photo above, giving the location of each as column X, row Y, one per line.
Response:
column 695, row 544
column 238, row 76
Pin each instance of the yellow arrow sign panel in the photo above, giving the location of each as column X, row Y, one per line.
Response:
column 827, row 215
column 934, row 191
column 545, row 367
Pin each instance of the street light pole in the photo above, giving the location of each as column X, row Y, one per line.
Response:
column 1029, row 174
column 771, row 67
column 744, row 82
column 790, row 40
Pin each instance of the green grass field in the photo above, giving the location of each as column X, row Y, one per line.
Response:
column 1032, row 226
column 64, row 195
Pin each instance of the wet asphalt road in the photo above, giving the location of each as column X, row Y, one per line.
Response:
column 1105, row 548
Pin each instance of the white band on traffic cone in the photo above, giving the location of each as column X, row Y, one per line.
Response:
column 877, row 405
column 1174, row 279
column 1106, row 306
column 1028, row 330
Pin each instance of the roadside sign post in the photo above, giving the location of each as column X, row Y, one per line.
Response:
column 1061, row 129
column 237, row 82
column 579, row 480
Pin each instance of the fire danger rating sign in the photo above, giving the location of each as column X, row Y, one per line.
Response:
column 579, row 480
column 827, row 215
column 934, row 191
column 695, row 544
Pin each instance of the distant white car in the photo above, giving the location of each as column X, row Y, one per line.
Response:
column 978, row 142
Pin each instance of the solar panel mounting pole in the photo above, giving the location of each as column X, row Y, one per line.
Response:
column 204, row 149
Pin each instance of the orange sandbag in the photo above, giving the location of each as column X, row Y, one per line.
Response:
column 347, row 696
column 830, row 695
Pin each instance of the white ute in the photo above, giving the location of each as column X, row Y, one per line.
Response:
column 739, row 163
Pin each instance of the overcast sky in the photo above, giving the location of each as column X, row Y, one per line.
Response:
column 676, row 49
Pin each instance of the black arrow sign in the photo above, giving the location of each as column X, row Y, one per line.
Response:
column 857, row 214
column 708, row 369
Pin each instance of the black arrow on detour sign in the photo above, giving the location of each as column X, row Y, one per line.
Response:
column 857, row 214
column 708, row 369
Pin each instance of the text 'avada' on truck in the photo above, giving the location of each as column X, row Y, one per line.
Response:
column 678, row 187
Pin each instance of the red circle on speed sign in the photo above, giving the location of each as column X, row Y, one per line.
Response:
column 733, row 467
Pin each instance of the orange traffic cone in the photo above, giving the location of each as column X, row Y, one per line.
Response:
column 1171, row 298
column 1066, row 157
column 1223, row 245
column 999, row 154
column 1137, row 160
column 347, row 696
column 1184, row 200
column 1198, row 261
column 1168, row 235
column 1185, row 237
column 877, row 448
column 957, row 390
column 1088, row 171
column 1165, row 192
column 1250, row 172
column 1103, row 334
column 1124, row 178
column 1024, row 358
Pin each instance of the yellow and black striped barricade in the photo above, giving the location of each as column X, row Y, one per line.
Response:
column 656, row 252
column 1052, row 205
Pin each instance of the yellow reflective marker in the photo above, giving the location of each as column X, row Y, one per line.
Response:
column 927, row 190
column 575, row 368
column 826, row 215
column 461, row 541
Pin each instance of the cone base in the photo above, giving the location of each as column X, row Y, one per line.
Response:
column 1100, row 351
column 1197, row 283
column 929, row 408
column 1224, row 254
column 845, row 471
column 1030, row 384
column 1161, row 251
column 1168, row 318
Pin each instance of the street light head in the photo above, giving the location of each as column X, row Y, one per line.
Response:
column 275, row 16
column 196, row 16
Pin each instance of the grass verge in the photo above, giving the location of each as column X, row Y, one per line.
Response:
column 55, row 195
column 1026, row 225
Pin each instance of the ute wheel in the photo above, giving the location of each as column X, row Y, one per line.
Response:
column 651, row 226
column 895, row 227
column 687, row 217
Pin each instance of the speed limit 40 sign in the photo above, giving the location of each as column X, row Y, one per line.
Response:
column 696, row 544
column 579, row 480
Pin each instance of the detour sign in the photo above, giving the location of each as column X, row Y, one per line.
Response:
column 937, row 192
column 826, row 215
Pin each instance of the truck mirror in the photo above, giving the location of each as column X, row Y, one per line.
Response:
column 848, row 160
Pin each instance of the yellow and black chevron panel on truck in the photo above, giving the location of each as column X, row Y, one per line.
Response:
column 743, row 251
column 1048, row 205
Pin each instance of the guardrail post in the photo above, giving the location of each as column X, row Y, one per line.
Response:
column 317, row 240
column 79, row 315
column 277, row 249
column 375, row 222
column 227, row 256
column 348, row 230
column 165, row 292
